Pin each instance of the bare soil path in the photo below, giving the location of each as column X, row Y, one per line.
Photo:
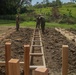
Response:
column 52, row 43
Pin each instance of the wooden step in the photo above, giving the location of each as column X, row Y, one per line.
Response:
column 39, row 54
column 36, row 36
column 36, row 45
column 37, row 41
column 34, row 67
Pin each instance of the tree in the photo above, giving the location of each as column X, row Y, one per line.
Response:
column 53, row 3
column 47, row 1
column 11, row 6
column 58, row 3
column 2, row 6
column 55, row 13
column 73, row 0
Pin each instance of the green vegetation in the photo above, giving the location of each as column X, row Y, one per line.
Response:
column 11, row 6
column 56, row 14
column 61, row 25
column 65, row 8
column 33, row 23
column 7, row 22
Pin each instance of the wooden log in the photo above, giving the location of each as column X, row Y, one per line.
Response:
column 7, row 55
column 65, row 60
column 36, row 45
column 43, row 58
column 26, row 59
column 37, row 41
column 36, row 37
column 36, row 54
column 2, row 63
column 14, row 67
column 66, row 31
column 41, row 71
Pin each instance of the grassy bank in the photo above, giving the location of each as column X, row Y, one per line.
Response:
column 33, row 24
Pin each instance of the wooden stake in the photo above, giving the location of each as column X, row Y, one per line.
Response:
column 65, row 60
column 7, row 55
column 41, row 71
column 14, row 67
column 26, row 59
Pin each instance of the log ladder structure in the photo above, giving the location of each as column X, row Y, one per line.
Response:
column 13, row 65
column 37, row 42
column 36, row 49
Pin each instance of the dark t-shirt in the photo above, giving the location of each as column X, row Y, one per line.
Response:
column 42, row 19
column 38, row 20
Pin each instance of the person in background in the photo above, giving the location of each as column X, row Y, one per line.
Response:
column 17, row 23
column 42, row 22
column 38, row 22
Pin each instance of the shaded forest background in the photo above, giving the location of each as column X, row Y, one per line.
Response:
column 55, row 11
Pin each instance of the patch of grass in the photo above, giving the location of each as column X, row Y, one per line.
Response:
column 33, row 24
column 13, row 23
column 61, row 25
column 43, row 10
column 28, row 24
column 7, row 22
column 63, row 10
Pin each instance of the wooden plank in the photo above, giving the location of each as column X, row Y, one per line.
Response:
column 65, row 60
column 2, row 63
column 14, row 67
column 31, row 46
column 36, row 36
column 42, row 52
column 68, row 36
column 34, row 67
column 41, row 71
column 37, row 41
column 39, row 54
column 7, row 55
column 36, row 45
column 26, row 59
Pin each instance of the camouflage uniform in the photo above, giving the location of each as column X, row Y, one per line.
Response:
column 17, row 23
column 42, row 24
column 38, row 22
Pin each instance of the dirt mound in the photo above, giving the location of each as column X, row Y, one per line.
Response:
column 53, row 41
column 72, row 30
column 18, row 40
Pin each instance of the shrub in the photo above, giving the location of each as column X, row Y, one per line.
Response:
column 23, row 10
column 8, row 17
column 68, row 20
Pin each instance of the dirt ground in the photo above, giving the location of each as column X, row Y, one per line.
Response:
column 4, row 29
column 18, row 40
column 52, row 43
column 72, row 30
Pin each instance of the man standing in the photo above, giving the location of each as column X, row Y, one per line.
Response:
column 17, row 23
column 42, row 24
column 38, row 20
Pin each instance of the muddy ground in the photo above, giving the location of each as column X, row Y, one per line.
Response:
column 52, row 43
column 72, row 30
column 18, row 39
